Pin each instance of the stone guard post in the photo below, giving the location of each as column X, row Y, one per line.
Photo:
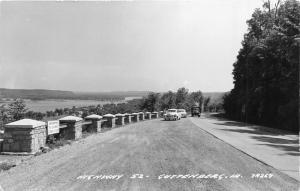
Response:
column 154, row 115
column 96, row 123
column 25, row 135
column 127, row 118
column 135, row 117
column 161, row 114
column 73, row 129
column 120, row 119
column 141, row 116
column 110, row 120
column 148, row 115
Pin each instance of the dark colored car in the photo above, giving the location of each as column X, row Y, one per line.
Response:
column 196, row 111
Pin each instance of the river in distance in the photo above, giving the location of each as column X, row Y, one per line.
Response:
column 52, row 104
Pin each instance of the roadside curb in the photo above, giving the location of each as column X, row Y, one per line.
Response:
column 17, row 153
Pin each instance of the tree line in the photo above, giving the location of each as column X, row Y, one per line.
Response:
column 181, row 99
column 266, row 73
column 17, row 109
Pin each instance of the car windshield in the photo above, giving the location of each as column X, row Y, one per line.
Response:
column 181, row 110
column 172, row 110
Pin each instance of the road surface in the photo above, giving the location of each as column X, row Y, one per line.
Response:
column 150, row 155
column 272, row 146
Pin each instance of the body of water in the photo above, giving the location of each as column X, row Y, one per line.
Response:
column 52, row 104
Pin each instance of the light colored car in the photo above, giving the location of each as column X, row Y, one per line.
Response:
column 172, row 114
column 182, row 112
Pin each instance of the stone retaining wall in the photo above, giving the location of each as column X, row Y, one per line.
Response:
column 24, row 139
column 30, row 139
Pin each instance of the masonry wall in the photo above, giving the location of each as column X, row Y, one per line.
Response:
column 24, row 139
column 72, row 131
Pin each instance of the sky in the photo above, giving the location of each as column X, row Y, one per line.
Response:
column 122, row 46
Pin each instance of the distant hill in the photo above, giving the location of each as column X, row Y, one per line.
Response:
column 115, row 93
column 35, row 94
column 41, row 94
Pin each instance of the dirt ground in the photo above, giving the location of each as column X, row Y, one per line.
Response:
column 149, row 155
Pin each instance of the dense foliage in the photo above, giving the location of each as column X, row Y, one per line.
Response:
column 181, row 99
column 17, row 110
column 152, row 102
column 266, row 73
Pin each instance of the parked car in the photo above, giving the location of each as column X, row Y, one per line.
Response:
column 182, row 112
column 172, row 114
column 196, row 111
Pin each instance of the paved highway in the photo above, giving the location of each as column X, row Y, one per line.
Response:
column 150, row 155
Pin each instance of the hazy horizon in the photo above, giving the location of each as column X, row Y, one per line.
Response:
column 121, row 46
column 104, row 91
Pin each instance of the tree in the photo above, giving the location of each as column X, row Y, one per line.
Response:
column 206, row 103
column 266, row 72
column 59, row 111
column 84, row 114
column 4, row 116
column 110, row 108
column 167, row 100
column 196, row 98
column 150, row 103
column 181, row 97
column 17, row 109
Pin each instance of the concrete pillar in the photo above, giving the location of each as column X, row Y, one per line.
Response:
column 120, row 119
column 110, row 120
column 161, row 114
column 96, row 123
column 127, row 118
column 154, row 115
column 25, row 135
column 1, row 144
column 148, row 115
column 135, row 117
column 141, row 116
column 73, row 129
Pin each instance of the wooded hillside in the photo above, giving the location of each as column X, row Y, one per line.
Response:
column 266, row 73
